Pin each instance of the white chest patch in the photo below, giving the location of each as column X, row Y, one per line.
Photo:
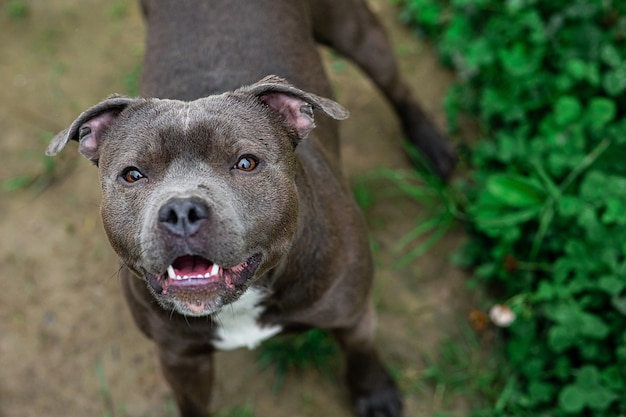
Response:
column 238, row 323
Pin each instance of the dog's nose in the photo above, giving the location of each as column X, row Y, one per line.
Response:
column 183, row 216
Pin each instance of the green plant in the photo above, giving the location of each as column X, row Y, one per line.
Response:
column 314, row 349
column 238, row 411
column 463, row 371
column 105, row 393
column 17, row 9
column 131, row 81
column 441, row 206
column 118, row 9
column 546, row 203
column 37, row 181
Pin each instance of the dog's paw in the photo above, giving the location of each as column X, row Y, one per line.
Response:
column 384, row 402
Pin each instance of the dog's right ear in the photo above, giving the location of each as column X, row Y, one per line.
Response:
column 89, row 127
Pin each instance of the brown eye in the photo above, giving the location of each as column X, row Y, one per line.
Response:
column 131, row 175
column 246, row 163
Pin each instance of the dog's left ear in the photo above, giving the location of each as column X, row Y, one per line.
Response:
column 293, row 105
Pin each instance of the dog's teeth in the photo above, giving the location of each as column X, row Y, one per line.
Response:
column 170, row 272
column 215, row 269
column 179, row 277
column 207, row 275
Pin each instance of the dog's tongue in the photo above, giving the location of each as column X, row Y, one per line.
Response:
column 191, row 265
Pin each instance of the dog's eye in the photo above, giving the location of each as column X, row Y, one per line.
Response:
column 131, row 175
column 246, row 163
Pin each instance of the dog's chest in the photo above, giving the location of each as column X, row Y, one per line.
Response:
column 238, row 323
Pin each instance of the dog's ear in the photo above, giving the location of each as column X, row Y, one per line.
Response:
column 294, row 106
column 88, row 128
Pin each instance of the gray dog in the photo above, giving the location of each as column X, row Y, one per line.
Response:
column 220, row 193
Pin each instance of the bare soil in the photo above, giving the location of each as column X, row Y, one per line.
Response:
column 68, row 346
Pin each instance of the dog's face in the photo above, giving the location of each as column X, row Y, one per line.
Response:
column 199, row 198
column 199, row 203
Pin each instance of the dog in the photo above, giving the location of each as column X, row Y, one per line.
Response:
column 224, row 197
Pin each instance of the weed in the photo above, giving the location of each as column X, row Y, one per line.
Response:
column 545, row 205
column 17, row 9
column 131, row 81
column 105, row 393
column 118, row 9
column 238, row 411
column 37, row 181
column 440, row 206
column 337, row 63
column 314, row 349
column 463, row 368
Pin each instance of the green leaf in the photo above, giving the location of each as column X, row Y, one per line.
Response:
column 614, row 213
column 540, row 391
column 487, row 219
column 600, row 398
column 613, row 379
column 614, row 82
column 486, row 270
column 591, row 352
column 567, row 110
column 572, row 399
column 610, row 55
column 561, row 337
column 363, row 195
column 478, row 53
column 576, row 68
column 516, row 191
column 619, row 303
column 587, row 377
column 611, row 284
column 592, row 326
column 545, row 291
column 569, row 206
column 601, row 111
column 517, row 60
column 593, row 187
column 580, row 70
column 18, row 183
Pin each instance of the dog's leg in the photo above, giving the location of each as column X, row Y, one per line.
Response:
column 188, row 370
column 190, row 378
column 349, row 27
column 373, row 391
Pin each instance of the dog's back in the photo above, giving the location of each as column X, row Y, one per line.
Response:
column 212, row 50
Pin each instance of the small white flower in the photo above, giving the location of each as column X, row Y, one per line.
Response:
column 501, row 315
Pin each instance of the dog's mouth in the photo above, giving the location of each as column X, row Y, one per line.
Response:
column 201, row 284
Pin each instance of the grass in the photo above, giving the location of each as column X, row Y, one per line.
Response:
column 118, row 9
column 441, row 207
column 17, row 9
column 315, row 349
column 464, row 370
column 131, row 81
column 39, row 180
column 105, row 392
column 237, row 411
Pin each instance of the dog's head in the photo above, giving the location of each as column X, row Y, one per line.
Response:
column 199, row 198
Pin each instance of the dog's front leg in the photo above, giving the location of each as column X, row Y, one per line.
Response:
column 190, row 377
column 373, row 391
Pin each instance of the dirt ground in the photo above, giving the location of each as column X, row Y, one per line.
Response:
column 67, row 343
